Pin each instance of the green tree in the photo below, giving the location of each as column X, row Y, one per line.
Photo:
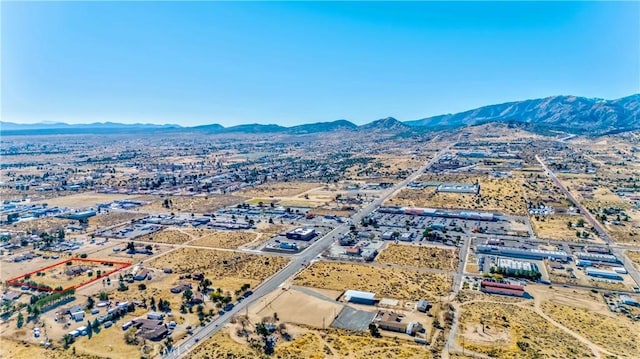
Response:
column 373, row 329
column 90, row 302
column 67, row 339
column 20, row 320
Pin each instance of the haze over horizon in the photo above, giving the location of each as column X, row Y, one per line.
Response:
column 292, row 63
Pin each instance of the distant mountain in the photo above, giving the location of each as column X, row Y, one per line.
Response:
column 338, row 125
column 214, row 127
column 388, row 124
column 254, row 128
column 45, row 128
column 573, row 114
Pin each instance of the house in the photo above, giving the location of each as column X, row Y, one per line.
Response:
column 390, row 321
column 141, row 274
column 10, row 296
column 353, row 251
column 151, row 329
column 423, row 305
column 180, row 288
column 197, row 276
column 197, row 298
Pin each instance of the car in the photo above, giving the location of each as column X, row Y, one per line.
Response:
column 197, row 340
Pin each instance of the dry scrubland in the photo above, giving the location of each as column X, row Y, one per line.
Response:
column 502, row 195
column 13, row 349
column 113, row 218
column 615, row 334
column 314, row 344
column 87, row 199
column 216, row 264
column 385, row 282
column 465, row 296
column 634, row 256
column 512, row 331
column 555, row 227
column 167, row 236
column 415, row 256
column 38, row 225
column 279, row 189
column 225, row 239
column 187, row 204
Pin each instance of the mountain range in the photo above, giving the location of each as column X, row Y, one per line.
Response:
column 578, row 115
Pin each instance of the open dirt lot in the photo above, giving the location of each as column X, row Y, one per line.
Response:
column 385, row 282
column 294, row 306
column 47, row 224
column 112, row 218
column 167, row 236
column 555, row 227
column 419, row 256
column 279, row 189
column 210, row 203
column 14, row 349
column 508, row 331
column 314, row 344
column 58, row 276
column 83, row 200
column 501, row 195
column 225, row 239
column 614, row 333
column 217, row 264
column 634, row 256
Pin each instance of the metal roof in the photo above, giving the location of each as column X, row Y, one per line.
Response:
column 358, row 294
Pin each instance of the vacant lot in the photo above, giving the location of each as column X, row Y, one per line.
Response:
column 616, row 334
column 279, row 189
column 113, row 218
column 385, row 282
column 508, row 331
column 634, row 256
column 83, row 200
column 501, row 195
column 314, row 344
column 168, row 236
column 423, row 257
column 216, row 264
column 225, row 239
column 48, row 224
column 187, row 204
column 559, row 227
column 14, row 349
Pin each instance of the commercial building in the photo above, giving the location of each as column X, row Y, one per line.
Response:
column 501, row 288
column 601, row 273
column 516, row 265
column 536, row 254
column 625, row 299
column 302, row 234
column 355, row 296
column 431, row 212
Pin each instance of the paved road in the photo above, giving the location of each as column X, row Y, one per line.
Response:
column 297, row 263
column 616, row 249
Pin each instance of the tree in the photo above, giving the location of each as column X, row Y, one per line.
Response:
column 61, row 233
column 20, row 320
column 130, row 337
column 373, row 329
column 580, row 223
column 187, row 295
column 142, row 286
column 90, row 302
column 103, row 296
column 95, row 325
column 67, row 339
column 89, row 330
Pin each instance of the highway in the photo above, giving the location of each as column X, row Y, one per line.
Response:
column 615, row 248
column 298, row 262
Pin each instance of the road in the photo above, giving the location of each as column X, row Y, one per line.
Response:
column 298, row 262
column 617, row 250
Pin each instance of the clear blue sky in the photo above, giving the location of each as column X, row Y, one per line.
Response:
column 289, row 63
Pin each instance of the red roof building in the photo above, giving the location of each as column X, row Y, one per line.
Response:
column 501, row 288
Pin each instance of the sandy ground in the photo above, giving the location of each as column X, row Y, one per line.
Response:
column 167, row 236
column 187, row 204
column 279, row 189
column 220, row 263
column 501, row 195
column 84, row 200
column 226, row 239
column 39, row 225
column 555, row 227
column 385, row 282
column 112, row 218
column 419, row 256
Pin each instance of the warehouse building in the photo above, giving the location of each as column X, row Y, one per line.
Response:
column 358, row 297
column 458, row 188
column 501, row 288
column 601, row 273
column 516, row 265
column 597, row 257
column 627, row 300
column 536, row 254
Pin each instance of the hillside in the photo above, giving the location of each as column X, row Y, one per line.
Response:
column 560, row 113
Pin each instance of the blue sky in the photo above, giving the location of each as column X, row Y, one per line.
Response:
column 290, row 63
